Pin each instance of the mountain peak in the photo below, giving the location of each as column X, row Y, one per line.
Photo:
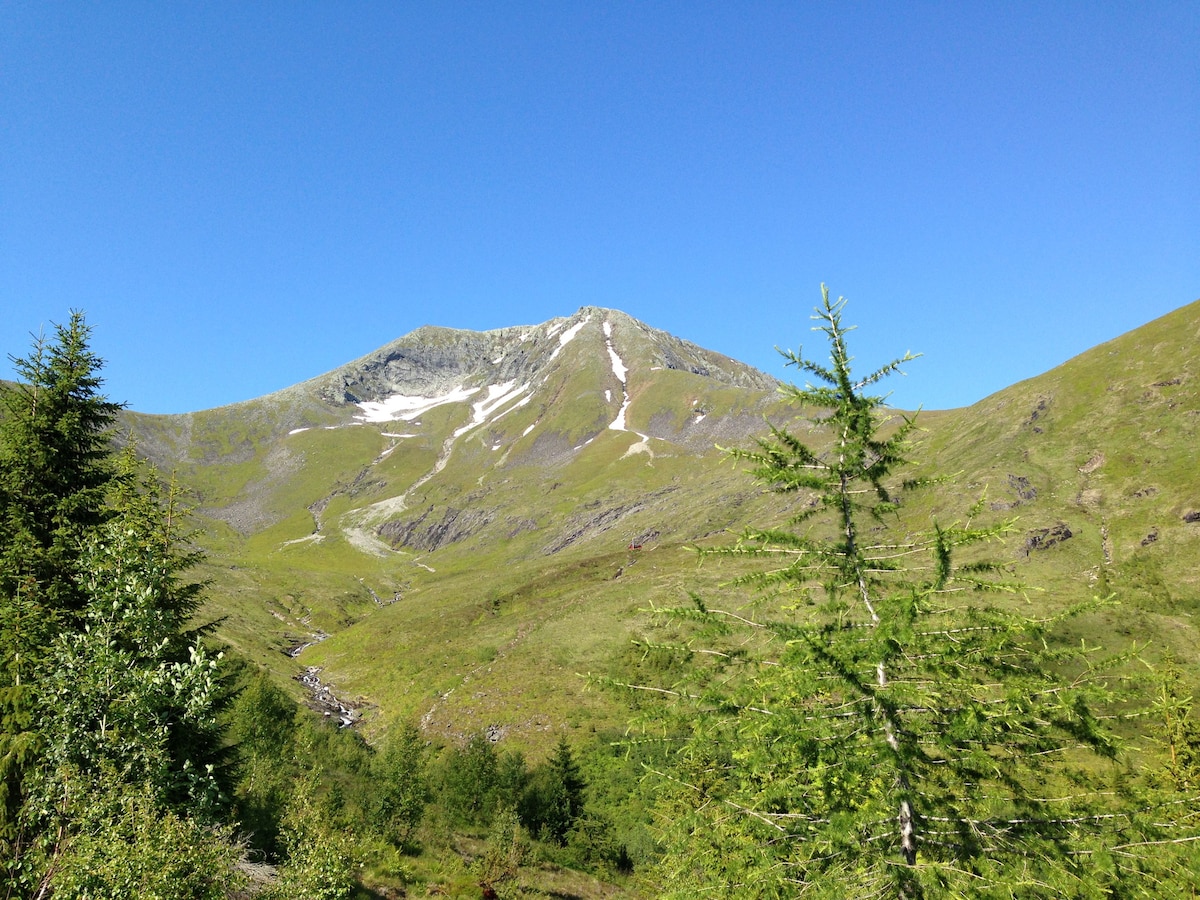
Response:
column 435, row 360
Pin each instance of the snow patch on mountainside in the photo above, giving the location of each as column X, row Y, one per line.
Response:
column 401, row 407
column 569, row 335
column 361, row 526
column 622, row 372
column 618, row 424
column 498, row 395
column 618, row 366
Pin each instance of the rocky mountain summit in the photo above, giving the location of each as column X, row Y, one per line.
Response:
column 399, row 423
column 434, row 360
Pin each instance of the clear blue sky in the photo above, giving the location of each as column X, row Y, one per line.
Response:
column 245, row 195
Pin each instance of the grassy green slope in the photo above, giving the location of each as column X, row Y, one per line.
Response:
column 511, row 569
column 1103, row 445
column 510, row 572
column 495, row 629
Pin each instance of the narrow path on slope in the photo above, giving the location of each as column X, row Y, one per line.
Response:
column 360, row 526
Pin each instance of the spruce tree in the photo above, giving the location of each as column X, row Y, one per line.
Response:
column 872, row 725
column 567, row 771
column 55, row 468
column 54, row 472
column 553, row 799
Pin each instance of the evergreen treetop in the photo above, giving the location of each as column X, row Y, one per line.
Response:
column 55, row 468
column 54, row 473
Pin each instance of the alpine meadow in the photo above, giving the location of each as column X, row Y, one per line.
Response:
column 581, row 609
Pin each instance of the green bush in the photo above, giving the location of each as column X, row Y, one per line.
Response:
column 401, row 790
column 130, row 847
column 320, row 859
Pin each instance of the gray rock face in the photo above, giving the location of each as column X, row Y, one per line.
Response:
column 428, row 532
column 433, row 360
column 427, row 362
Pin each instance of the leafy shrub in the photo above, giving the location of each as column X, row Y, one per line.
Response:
column 128, row 846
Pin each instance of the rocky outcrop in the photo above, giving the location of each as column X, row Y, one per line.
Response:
column 1045, row 538
column 598, row 519
column 1024, row 490
column 428, row 532
column 427, row 362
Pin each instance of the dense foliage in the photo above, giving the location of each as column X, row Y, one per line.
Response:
column 136, row 761
column 110, row 699
column 54, row 472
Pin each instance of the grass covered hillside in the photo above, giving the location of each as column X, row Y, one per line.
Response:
column 1095, row 460
column 461, row 566
column 459, row 559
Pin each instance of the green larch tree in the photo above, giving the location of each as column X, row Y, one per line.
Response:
column 263, row 731
column 874, row 724
column 401, row 787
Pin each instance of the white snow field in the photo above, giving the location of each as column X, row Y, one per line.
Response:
column 401, row 407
